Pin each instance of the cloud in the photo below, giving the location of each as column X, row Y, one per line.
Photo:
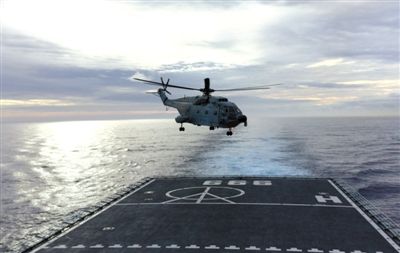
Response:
column 349, row 30
column 139, row 75
column 191, row 67
column 327, row 55
column 144, row 36
column 310, row 85
column 315, row 99
column 379, row 106
column 34, row 102
column 26, row 44
column 19, row 115
column 329, row 63
column 376, row 83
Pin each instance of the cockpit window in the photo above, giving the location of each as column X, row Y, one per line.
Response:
column 223, row 100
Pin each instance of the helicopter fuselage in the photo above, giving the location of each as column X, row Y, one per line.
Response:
column 205, row 110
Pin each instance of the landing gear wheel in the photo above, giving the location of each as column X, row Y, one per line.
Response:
column 181, row 129
column 229, row 133
column 212, row 128
column 245, row 123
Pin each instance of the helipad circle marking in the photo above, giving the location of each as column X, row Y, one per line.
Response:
column 203, row 193
column 240, row 192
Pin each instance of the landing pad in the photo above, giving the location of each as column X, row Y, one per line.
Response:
column 228, row 215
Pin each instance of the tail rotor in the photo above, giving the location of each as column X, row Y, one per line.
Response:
column 165, row 85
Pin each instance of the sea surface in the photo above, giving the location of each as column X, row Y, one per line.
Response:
column 52, row 172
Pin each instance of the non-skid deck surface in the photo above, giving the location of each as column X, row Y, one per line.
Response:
column 228, row 215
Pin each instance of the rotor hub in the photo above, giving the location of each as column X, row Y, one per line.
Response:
column 206, row 90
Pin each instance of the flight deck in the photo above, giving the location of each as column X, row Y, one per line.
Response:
column 229, row 214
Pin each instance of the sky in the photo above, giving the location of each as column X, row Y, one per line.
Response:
column 74, row 60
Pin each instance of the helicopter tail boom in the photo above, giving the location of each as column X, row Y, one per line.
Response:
column 166, row 101
column 162, row 95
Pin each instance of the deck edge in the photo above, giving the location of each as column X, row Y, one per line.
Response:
column 385, row 223
column 109, row 201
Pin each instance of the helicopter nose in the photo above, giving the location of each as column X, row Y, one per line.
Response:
column 242, row 118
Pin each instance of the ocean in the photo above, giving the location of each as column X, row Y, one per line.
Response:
column 52, row 172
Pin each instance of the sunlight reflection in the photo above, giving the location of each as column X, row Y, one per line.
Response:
column 66, row 146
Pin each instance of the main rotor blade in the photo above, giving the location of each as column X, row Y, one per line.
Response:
column 165, row 84
column 261, row 87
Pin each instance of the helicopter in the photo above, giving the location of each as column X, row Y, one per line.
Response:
column 204, row 110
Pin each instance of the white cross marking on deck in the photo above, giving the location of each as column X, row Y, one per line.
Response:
column 336, row 251
column 314, row 250
column 97, row 246
column 134, row 246
column 115, row 246
column 192, row 247
column 79, row 246
column 173, row 246
column 211, row 247
column 203, row 195
column 322, row 199
column 149, row 192
column 273, row 249
column 294, row 250
column 252, row 248
column 153, row 246
column 232, row 247
column 61, row 246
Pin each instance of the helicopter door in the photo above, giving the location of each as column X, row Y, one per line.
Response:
column 222, row 115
